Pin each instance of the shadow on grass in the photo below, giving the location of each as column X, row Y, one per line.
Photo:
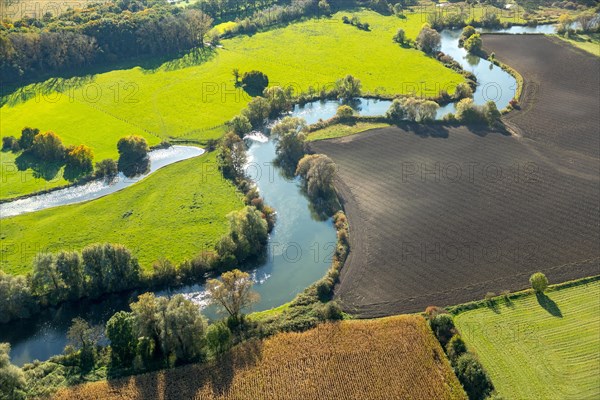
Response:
column 549, row 305
column 45, row 170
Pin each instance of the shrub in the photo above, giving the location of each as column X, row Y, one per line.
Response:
column 467, row 32
column 491, row 113
column 133, row 155
column 48, row 147
column 473, row 377
column 257, row 111
column 396, row 111
column 539, row 282
column 218, row 338
column 443, row 327
column 348, row 87
column 10, row 143
column 455, row 348
column 255, row 82
column 473, row 44
column 344, row 112
column 400, row 36
column 240, row 125
column 429, row 40
column 106, row 168
column 26, row 139
column 463, row 91
column 78, row 162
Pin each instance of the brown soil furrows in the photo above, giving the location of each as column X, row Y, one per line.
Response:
column 561, row 94
column 440, row 215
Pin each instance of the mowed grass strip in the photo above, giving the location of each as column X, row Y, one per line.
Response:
column 390, row 358
column 540, row 352
column 340, row 130
column 194, row 96
column 175, row 213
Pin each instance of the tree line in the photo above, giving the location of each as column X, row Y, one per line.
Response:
column 97, row 33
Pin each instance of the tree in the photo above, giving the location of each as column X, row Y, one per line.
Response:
column 185, row 329
column 279, row 100
column 587, row 21
column 70, row 267
column 491, row 113
column 324, row 7
column 419, row 110
column 198, row 24
column 344, row 112
column 396, row 111
column 78, row 162
column 232, row 156
column 400, row 36
column 539, row 282
column 233, row 292
column 468, row 112
column 429, row 40
column 236, row 76
column 26, row 139
column 133, row 155
column 109, row 268
column 257, row 111
column 218, row 338
column 248, row 234
column 48, row 147
column 85, row 338
column 148, row 313
column 318, row 172
column 467, row 32
column 106, row 168
column 12, row 378
column 473, row 377
column 46, row 279
column 17, row 299
column 443, row 327
column 455, row 348
column 121, row 331
column 291, row 142
column 255, row 82
column 473, row 44
column 564, row 23
column 240, row 125
column 463, row 90
column 10, row 143
column 348, row 87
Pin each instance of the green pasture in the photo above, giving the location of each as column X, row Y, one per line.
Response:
column 191, row 97
column 175, row 213
column 340, row 130
column 540, row 347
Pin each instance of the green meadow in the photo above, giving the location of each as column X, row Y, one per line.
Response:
column 340, row 130
column 191, row 97
column 175, row 213
column 546, row 348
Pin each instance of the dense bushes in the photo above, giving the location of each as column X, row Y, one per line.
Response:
column 354, row 21
column 78, row 162
column 348, row 87
column 412, row 109
column 12, row 379
column 469, row 113
column 247, row 237
column 467, row 367
column 133, row 155
column 473, row 44
column 318, row 173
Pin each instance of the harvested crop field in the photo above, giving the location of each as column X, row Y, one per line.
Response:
column 443, row 215
column 391, row 358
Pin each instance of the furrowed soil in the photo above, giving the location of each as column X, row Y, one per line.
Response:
column 443, row 215
column 391, row 358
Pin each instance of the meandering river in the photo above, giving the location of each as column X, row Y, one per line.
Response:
column 300, row 246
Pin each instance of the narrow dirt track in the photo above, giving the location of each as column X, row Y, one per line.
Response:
column 444, row 215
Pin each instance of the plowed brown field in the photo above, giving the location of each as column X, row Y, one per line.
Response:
column 444, row 215
column 391, row 358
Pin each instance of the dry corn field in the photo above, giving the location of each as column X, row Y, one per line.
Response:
column 390, row 358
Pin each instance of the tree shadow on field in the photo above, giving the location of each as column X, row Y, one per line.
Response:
column 41, row 169
column 549, row 305
column 426, row 131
